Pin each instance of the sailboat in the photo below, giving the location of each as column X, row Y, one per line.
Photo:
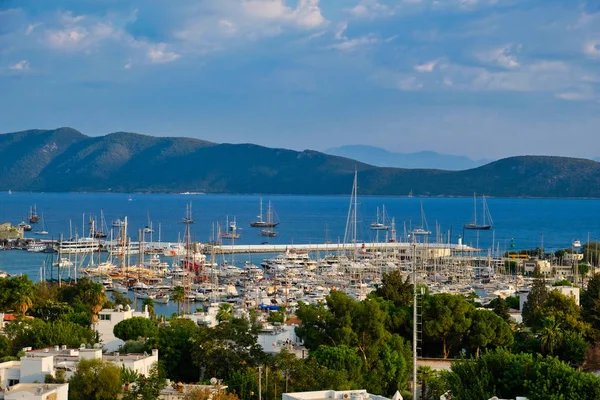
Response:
column 424, row 228
column 231, row 233
column 26, row 227
column 487, row 217
column 33, row 217
column 271, row 221
column 379, row 225
column 43, row 231
column 148, row 228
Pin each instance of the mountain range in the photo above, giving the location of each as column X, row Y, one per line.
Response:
column 423, row 159
column 64, row 159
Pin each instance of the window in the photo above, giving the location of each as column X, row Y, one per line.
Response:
column 13, row 382
column 104, row 317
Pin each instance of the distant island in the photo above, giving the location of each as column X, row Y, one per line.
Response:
column 64, row 159
column 423, row 159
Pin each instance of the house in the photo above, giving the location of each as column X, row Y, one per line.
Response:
column 332, row 395
column 274, row 338
column 109, row 318
column 37, row 391
column 569, row 291
column 177, row 391
column 36, row 364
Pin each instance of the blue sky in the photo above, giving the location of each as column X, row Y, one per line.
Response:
column 483, row 78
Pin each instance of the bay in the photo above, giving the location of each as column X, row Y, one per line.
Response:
column 304, row 219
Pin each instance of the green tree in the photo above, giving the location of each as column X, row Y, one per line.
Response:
column 176, row 344
column 314, row 330
column 446, row 317
column 134, row 328
column 128, row 376
column 590, row 302
column 39, row 334
column 225, row 312
column 178, row 297
column 147, row 387
column 341, row 358
column 396, row 288
column 488, row 330
column 500, row 307
column 121, row 299
column 550, row 335
column 51, row 310
column 95, row 380
column 425, row 375
column 535, row 299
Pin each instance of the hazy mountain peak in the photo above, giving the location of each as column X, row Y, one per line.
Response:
column 425, row 159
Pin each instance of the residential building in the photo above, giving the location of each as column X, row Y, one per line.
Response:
column 569, row 291
column 333, row 395
column 36, row 364
column 37, row 391
column 107, row 320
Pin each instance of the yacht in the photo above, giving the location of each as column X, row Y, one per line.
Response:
column 82, row 245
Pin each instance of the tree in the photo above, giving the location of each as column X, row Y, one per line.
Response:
column 225, row 312
column 134, row 328
column 16, row 294
column 147, row 387
column 500, row 307
column 590, row 302
column 51, row 310
column 446, row 317
column 95, row 380
column 39, row 334
column 340, row 358
column 178, row 297
column 425, row 375
column 121, row 299
column 505, row 375
column 176, row 345
column 396, row 288
column 535, row 299
column 128, row 376
column 550, row 335
column 488, row 330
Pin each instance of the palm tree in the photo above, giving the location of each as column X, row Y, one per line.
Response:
column 425, row 374
column 179, row 297
column 96, row 297
column 550, row 335
column 22, row 302
column 128, row 376
column 225, row 312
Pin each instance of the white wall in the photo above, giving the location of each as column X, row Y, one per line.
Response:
column 35, row 369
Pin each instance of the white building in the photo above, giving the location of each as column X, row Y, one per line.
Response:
column 37, row 391
column 109, row 318
column 273, row 339
column 36, row 364
column 569, row 291
column 332, row 395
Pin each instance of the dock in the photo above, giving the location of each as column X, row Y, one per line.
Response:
column 337, row 247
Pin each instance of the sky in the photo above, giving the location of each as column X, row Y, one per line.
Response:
column 482, row 78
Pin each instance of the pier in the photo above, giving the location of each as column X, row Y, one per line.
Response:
column 335, row 247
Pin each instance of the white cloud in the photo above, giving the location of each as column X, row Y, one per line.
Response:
column 227, row 26
column 67, row 38
column 127, row 65
column 22, row 65
column 307, row 13
column 340, row 31
column 575, row 96
column 30, row 28
column 371, row 9
column 426, row 67
column 353, row 44
column 158, row 54
column 592, row 48
column 504, row 56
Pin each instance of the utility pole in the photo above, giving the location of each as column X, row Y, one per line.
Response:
column 415, row 299
column 259, row 383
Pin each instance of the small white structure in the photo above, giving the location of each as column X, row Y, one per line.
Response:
column 140, row 363
column 1, row 321
column 107, row 320
column 38, row 391
column 332, row 395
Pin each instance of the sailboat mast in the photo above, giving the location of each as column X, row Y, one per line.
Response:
column 475, row 209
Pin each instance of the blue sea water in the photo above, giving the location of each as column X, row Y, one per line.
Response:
column 304, row 219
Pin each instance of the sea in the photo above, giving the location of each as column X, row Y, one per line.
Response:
column 518, row 223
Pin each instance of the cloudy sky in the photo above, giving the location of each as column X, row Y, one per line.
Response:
column 483, row 78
